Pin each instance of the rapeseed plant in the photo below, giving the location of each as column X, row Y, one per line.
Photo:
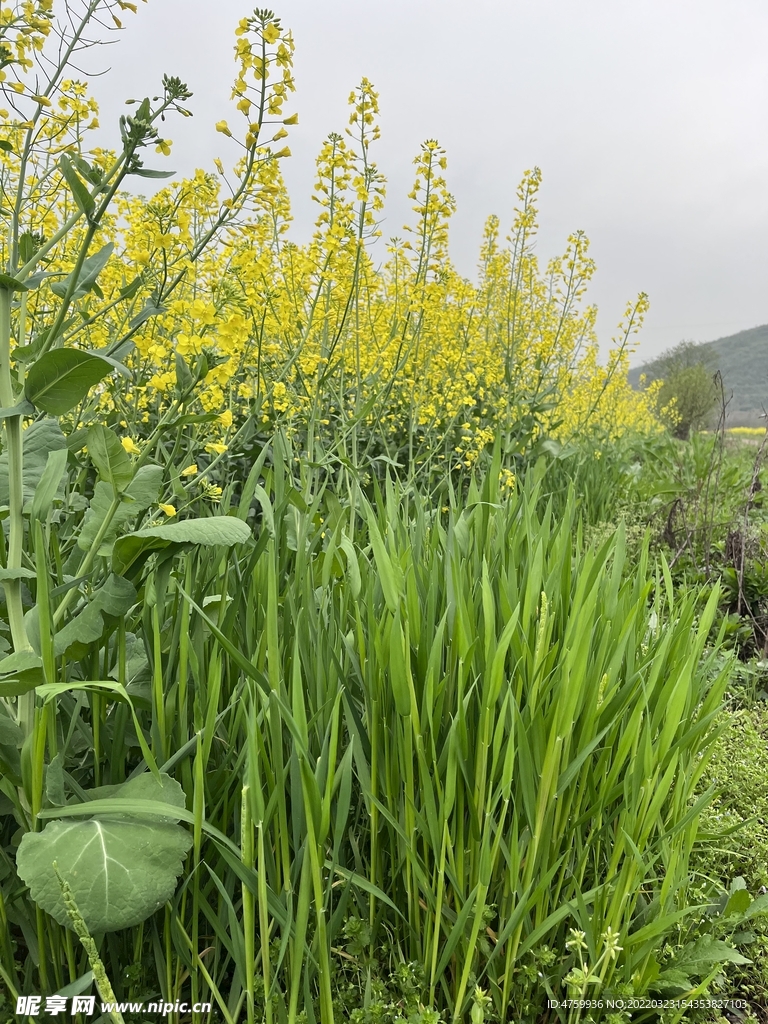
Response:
column 406, row 359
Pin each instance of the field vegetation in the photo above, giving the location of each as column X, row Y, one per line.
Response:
column 369, row 650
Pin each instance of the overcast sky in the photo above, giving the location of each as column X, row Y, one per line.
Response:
column 649, row 122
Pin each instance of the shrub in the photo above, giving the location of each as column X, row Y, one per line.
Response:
column 688, row 394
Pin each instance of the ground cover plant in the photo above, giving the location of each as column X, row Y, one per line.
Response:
column 318, row 700
column 699, row 501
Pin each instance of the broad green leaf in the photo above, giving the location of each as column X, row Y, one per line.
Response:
column 20, row 672
column 76, row 441
column 21, row 661
column 696, row 957
column 91, row 173
column 61, row 378
column 145, row 172
column 136, row 663
column 757, row 906
column 113, row 599
column 35, row 280
column 39, row 439
column 149, row 310
column 28, row 246
column 11, row 735
column 129, row 290
column 16, row 686
column 184, row 377
column 142, row 809
column 79, row 190
column 17, row 574
column 671, row 980
column 27, row 353
column 164, row 790
column 24, row 408
column 11, row 284
column 121, row 868
column 143, row 491
column 113, row 361
column 90, row 270
column 738, row 902
column 54, row 781
column 50, row 483
column 109, row 457
column 79, row 633
column 215, row 530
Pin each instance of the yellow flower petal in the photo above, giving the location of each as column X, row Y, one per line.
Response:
column 168, row 509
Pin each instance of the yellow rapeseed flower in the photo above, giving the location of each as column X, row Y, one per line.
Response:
column 190, row 470
column 223, row 127
column 216, row 448
column 130, row 446
column 168, row 509
column 225, row 419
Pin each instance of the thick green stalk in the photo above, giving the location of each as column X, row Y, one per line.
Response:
column 13, row 444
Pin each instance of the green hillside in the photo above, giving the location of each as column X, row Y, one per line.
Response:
column 743, row 361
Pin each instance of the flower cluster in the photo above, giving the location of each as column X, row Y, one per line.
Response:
column 405, row 360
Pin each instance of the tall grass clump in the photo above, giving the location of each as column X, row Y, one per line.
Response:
column 450, row 740
column 522, row 728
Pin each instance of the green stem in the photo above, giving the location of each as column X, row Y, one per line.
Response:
column 87, row 563
column 13, row 444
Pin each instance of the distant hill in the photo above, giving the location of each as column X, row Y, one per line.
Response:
column 743, row 361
